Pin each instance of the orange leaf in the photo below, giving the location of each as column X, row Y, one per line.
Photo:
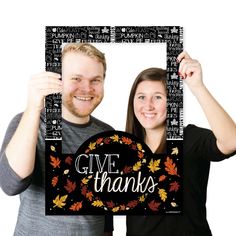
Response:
column 54, row 181
column 99, row 140
column 174, row 186
column 170, row 167
column 89, row 195
column 55, row 162
column 76, row 206
column 126, row 140
column 127, row 169
column 70, row 186
column 140, row 155
column 154, row 205
column 162, row 177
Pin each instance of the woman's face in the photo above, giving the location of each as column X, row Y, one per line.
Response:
column 150, row 104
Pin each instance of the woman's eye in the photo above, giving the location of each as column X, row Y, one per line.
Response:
column 141, row 97
column 158, row 97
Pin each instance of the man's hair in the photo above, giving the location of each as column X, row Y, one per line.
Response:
column 86, row 49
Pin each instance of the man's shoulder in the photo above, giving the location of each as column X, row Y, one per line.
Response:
column 101, row 124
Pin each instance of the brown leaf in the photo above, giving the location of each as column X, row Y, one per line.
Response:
column 55, row 162
column 154, row 205
column 170, row 167
column 70, row 186
column 127, row 169
column 174, row 186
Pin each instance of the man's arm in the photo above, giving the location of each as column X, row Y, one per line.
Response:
column 20, row 151
column 222, row 125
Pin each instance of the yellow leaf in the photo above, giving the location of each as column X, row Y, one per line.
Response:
column 115, row 138
column 154, row 165
column 142, row 198
column 85, row 181
column 60, row 201
column 137, row 166
column 53, row 148
column 162, row 194
column 92, row 146
column 115, row 209
column 97, row 203
column 139, row 146
column 175, row 151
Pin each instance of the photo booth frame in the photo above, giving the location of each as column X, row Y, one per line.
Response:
column 58, row 35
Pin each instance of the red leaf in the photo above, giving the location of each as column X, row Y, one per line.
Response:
column 68, row 160
column 84, row 190
column 132, row 204
column 70, row 186
column 111, row 204
column 154, row 205
column 127, row 169
column 174, row 186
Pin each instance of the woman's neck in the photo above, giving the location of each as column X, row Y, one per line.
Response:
column 154, row 138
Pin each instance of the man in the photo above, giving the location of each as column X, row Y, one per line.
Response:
column 22, row 160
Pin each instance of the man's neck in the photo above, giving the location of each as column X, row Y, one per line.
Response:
column 73, row 118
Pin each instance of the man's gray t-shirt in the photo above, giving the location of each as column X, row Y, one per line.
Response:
column 31, row 218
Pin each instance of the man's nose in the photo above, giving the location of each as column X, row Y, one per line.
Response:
column 85, row 86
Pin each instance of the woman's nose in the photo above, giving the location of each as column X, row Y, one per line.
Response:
column 149, row 104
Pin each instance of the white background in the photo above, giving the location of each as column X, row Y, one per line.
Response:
column 209, row 36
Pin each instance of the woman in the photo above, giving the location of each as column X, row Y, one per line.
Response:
column 146, row 118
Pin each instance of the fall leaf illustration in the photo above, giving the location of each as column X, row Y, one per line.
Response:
column 111, row 204
column 139, row 146
column 99, row 140
column 115, row 209
column 174, row 186
column 97, row 203
column 154, row 205
column 60, row 201
column 132, row 204
column 175, row 151
column 85, row 180
column 142, row 198
column 122, row 207
column 92, row 146
column 84, row 190
column 163, row 195
column 170, row 167
column 127, row 169
column 89, row 195
column 53, row 148
column 154, row 165
column 107, row 140
column 54, row 181
column 162, row 177
column 115, row 138
column 140, row 155
column 70, row 186
column 126, row 140
column 55, row 162
column 137, row 166
column 76, row 206
column 68, row 160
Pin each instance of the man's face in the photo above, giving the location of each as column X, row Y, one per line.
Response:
column 83, row 86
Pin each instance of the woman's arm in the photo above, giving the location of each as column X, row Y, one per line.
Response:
column 222, row 125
